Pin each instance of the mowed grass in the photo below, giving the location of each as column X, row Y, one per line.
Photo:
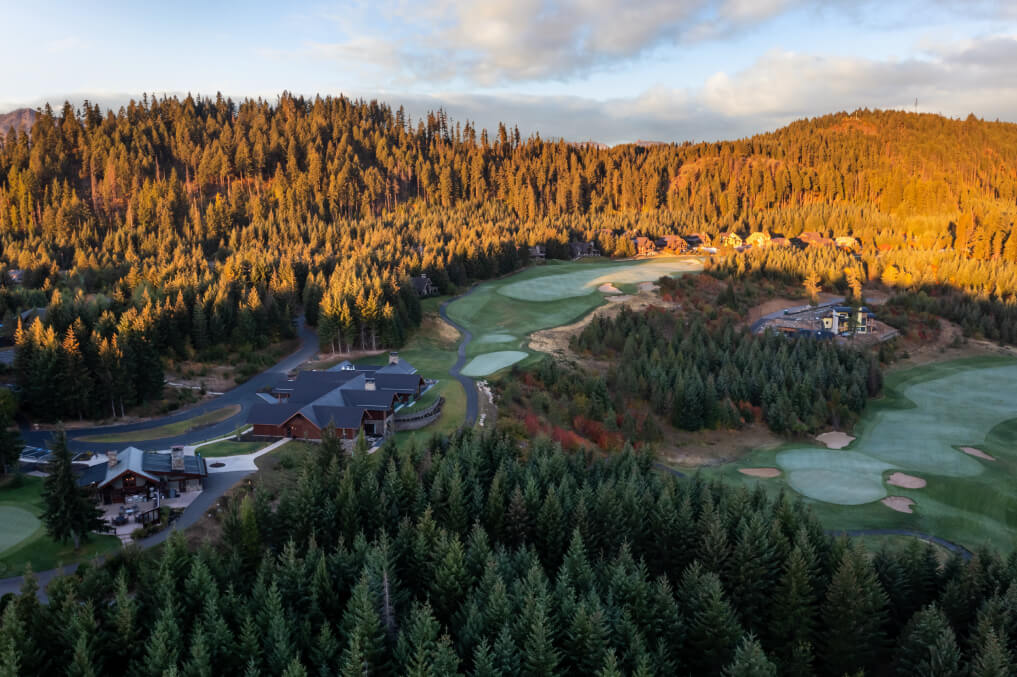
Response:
column 24, row 542
column 931, row 411
column 168, row 430
column 501, row 314
column 229, row 448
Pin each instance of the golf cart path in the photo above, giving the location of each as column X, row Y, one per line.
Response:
column 242, row 395
column 468, row 383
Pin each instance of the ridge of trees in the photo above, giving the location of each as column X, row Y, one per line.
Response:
column 472, row 556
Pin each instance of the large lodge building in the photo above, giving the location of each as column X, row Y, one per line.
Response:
column 348, row 397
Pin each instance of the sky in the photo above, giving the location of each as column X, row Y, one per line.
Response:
column 610, row 71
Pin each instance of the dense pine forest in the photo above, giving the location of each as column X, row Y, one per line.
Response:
column 175, row 226
column 476, row 557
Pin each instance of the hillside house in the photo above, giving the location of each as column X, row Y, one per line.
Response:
column 644, row 246
column 730, row 239
column 673, row 243
column 580, row 250
column 352, row 398
column 133, row 472
column 846, row 242
column 538, row 252
column 839, row 319
column 760, row 238
column 780, row 242
column 423, row 286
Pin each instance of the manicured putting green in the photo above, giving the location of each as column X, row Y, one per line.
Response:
column 15, row 526
column 496, row 338
column 488, row 363
column 586, row 280
column 956, row 408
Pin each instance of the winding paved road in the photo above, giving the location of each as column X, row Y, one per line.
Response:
column 243, row 395
column 469, row 385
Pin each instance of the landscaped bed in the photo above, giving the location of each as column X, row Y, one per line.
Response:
column 228, row 448
column 168, row 430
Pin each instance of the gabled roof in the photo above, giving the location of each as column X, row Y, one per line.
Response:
column 349, row 418
column 400, row 367
column 148, row 464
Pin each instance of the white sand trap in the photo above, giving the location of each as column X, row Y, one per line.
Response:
column 765, row 473
column 608, row 289
column 648, row 287
column 488, row 363
column 618, row 299
column 977, row 453
column 898, row 503
column 496, row 338
column 899, row 479
column 835, row 440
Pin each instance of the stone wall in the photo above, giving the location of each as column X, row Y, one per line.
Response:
column 420, row 419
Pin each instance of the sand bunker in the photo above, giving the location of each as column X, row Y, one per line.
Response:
column 898, row 503
column 608, row 289
column 765, row 473
column 899, row 479
column 835, row 440
column 648, row 287
column 978, row 453
column 618, row 299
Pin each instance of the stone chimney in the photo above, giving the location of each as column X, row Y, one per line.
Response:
column 177, row 458
column 111, row 457
column 393, row 357
column 369, row 383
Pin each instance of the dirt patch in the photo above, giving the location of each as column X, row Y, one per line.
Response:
column 556, row 341
column 898, row 503
column 713, row 447
column 608, row 289
column 977, row 453
column 835, row 439
column 899, row 479
column 432, row 325
column 765, row 473
column 328, row 360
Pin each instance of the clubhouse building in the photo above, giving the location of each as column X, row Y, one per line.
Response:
column 351, row 398
column 133, row 472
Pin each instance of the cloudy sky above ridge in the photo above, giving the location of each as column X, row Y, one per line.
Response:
column 607, row 70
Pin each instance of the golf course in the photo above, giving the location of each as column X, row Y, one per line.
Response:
column 937, row 454
column 501, row 314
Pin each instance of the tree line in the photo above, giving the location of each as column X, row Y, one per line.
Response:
column 472, row 556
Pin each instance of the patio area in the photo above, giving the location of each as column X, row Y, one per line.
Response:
column 133, row 509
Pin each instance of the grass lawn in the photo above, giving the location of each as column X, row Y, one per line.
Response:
column 229, row 448
column 25, row 541
column 928, row 413
column 452, row 415
column 280, row 469
column 501, row 314
column 168, row 430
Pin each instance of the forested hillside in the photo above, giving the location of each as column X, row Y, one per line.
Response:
column 183, row 224
column 472, row 558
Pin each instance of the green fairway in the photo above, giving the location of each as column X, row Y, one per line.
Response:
column 918, row 428
column 23, row 538
column 16, row 524
column 501, row 314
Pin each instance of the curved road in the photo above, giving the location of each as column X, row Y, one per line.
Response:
column 468, row 384
column 243, row 395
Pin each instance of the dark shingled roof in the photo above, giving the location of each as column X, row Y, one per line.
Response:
column 341, row 417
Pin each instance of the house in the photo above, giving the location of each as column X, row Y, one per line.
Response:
column 811, row 238
column 846, row 242
column 581, row 250
column 538, row 252
column 28, row 315
column 730, row 239
column 779, row 242
column 16, row 276
column 672, row 243
column 131, row 472
column 644, row 246
column 839, row 319
column 760, row 238
column 423, row 286
column 349, row 397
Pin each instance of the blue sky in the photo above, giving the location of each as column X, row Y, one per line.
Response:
column 609, row 70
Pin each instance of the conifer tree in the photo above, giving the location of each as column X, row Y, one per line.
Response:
column 69, row 514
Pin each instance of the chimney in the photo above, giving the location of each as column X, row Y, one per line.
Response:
column 393, row 357
column 177, row 458
column 369, row 383
column 111, row 457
